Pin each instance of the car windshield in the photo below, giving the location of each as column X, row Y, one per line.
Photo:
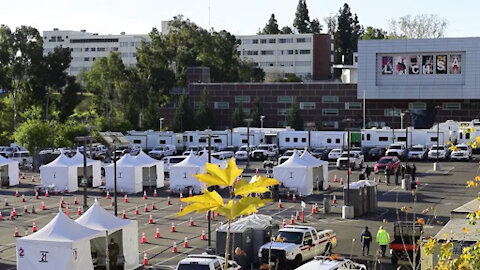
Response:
column 395, row 147
column 289, row 237
column 462, row 148
column 439, row 148
column 417, row 149
column 176, row 160
column 346, row 155
column 263, row 147
column 336, row 151
column 193, row 266
column 157, row 149
column 288, row 153
column 384, row 161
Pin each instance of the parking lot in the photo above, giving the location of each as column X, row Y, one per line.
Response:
column 438, row 191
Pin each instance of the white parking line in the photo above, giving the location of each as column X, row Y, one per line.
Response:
column 391, row 190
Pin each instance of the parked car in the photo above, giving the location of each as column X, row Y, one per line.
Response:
column 242, row 153
column 206, row 262
column 192, row 150
column 461, row 152
column 321, row 153
column 417, row 152
column 170, row 161
column 355, row 159
column 440, row 152
column 331, row 263
column 223, row 155
column 398, row 150
column 135, row 149
column 25, row 161
column 376, row 153
column 334, row 154
column 162, row 151
column 392, row 164
column 287, row 155
column 264, row 151
column 14, row 149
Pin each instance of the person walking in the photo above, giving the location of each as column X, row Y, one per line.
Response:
column 383, row 239
column 113, row 251
column 365, row 239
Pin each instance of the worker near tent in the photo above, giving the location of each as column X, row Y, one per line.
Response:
column 365, row 239
column 113, row 251
column 383, row 239
column 241, row 258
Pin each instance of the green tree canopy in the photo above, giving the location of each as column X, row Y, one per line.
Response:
column 346, row 37
column 315, row 26
column 204, row 115
column 302, row 20
column 271, row 27
column 286, row 30
column 184, row 118
column 34, row 133
column 295, row 119
column 238, row 116
column 256, row 112
column 374, row 33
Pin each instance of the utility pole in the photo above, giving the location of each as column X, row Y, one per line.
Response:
column 209, row 227
column 248, row 121
column 347, row 210
column 84, row 182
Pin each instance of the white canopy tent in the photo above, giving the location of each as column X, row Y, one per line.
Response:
column 129, row 175
column 320, row 169
column 181, row 174
column 221, row 163
column 9, row 168
column 61, row 244
column 123, row 231
column 95, row 170
column 296, row 174
column 152, row 170
column 60, row 173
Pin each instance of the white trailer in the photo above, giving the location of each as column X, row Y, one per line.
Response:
column 239, row 138
column 291, row 139
column 327, row 139
column 150, row 139
column 219, row 138
column 386, row 136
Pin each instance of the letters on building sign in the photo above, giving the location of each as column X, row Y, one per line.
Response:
column 411, row 64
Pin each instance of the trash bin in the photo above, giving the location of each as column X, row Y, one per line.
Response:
column 326, row 205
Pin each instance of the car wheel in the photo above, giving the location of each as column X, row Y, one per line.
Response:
column 297, row 261
column 394, row 259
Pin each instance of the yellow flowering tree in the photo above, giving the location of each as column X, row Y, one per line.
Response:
column 240, row 202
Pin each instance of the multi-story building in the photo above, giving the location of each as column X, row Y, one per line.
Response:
column 86, row 47
column 309, row 56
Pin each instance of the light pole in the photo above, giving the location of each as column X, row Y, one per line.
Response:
column 209, row 227
column 437, row 108
column 348, row 121
column 161, row 122
column 406, row 135
column 262, row 117
column 84, row 182
column 248, row 121
column 402, row 114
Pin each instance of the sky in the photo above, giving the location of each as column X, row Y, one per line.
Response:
column 240, row 17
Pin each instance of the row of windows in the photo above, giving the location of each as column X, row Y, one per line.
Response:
column 99, row 49
column 285, row 64
column 131, row 43
column 274, row 40
column 56, row 39
column 325, row 125
column 272, row 52
column 448, row 106
column 94, row 40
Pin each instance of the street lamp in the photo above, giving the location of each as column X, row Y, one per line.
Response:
column 261, row 120
column 248, row 121
column 209, row 226
column 84, row 182
column 161, row 122
column 402, row 114
column 406, row 134
column 437, row 108
column 348, row 121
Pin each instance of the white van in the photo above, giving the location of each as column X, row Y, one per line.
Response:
column 171, row 160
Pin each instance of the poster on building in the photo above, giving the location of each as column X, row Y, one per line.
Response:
column 427, row 64
column 400, row 65
column 455, row 64
column 387, row 67
column 441, row 64
column 414, row 66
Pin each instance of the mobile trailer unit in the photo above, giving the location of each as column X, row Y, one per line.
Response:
column 386, row 136
column 292, row 139
column 239, row 138
column 150, row 139
column 219, row 138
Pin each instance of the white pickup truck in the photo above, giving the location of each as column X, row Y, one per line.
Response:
column 295, row 245
column 160, row 152
column 356, row 160
column 264, row 151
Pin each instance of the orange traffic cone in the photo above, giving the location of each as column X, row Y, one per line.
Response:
column 144, row 238
column 42, row 206
column 34, row 227
column 55, row 191
column 190, row 192
column 157, row 233
column 25, row 210
column 174, row 247
column 341, row 181
column 15, row 233
column 108, row 195
column 280, row 204
column 417, row 181
column 335, row 179
column 65, row 191
column 124, row 215
column 169, row 202
column 185, row 242
column 313, row 209
column 203, row 236
column 67, row 211
column 23, row 176
column 294, row 199
column 190, row 223
column 180, row 196
column 172, row 229
column 292, row 220
column 14, row 212
column 284, row 223
column 46, row 193
column 33, row 179
column 256, row 171
column 136, row 211
column 75, row 201
column 153, row 206
column 181, row 207
column 112, row 202
column 297, row 216
column 155, row 193
column 125, row 199
column 316, row 208
column 145, row 259
column 1, row 217
column 79, row 211
column 23, row 198
column 33, row 209
column 300, row 196
column 62, row 201
column 334, row 199
column 150, row 219
column 36, row 195
column 145, row 209
column 145, row 195
column 16, row 194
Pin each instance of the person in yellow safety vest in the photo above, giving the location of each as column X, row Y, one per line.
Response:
column 383, row 239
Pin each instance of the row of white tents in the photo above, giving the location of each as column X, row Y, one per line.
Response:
column 133, row 172
column 9, row 170
column 80, row 244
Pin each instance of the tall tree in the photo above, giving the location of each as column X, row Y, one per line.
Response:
column 374, row 33
column 256, row 113
column 331, row 22
column 204, row 115
column 286, row 30
column 238, row 116
column 184, row 118
column 302, row 20
column 419, row 26
column 295, row 119
column 315, row 26
column 69, row 98
column 347, row 35
column 271, row 28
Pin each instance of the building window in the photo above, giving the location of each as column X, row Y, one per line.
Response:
column 329, row 140
column 267, row 52
column 115, row 49
column 123, row 44
column 100, row 49
column 87, row 49
column 242, row 99
column 330, row 124
column 353, row 105
column 383, row 139
column 252, row 52
column 300, row 40
column 330, row 99
column 287, row 139
column 285, row 40
column 92, row 49
column 307, row 105
column 77, row 49
column 282, row 111
column 221, row 105
column 289, row 51
column 284, row 99
column 86, row 59
column 368, row 137
column 452, row 106
column 272, row 40
column 255, row 41
column 295, row 139
column 304, row 139
column 328, row 112
column 394, row 112
column 417, row 106
column 263, row 41
column 304, row 51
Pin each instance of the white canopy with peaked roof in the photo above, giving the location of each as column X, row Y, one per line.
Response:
column 123, row 231
column 152, row 169
column 95, row 165
column 181, row 174
column 11, row 170
column 320, row 169
column 296, row 174
column 129, row 175
column 61, row 173
column 204, row 158
column 61, row 244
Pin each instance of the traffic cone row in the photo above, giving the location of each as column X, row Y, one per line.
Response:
column 172, row 229
column 23, row 198
column 46, row 194
column 316, row 208
column 294, row 199
column 313, row 209
column 16, row 194
column 33, row 209
column 185, row 242
column 150, row 219
column 55, row 191
column 334, row 199
column 190, row 223
column 190, row 192
column 297, row 216
column 23, row 176
column 174, row 247
column 75, row 201
column 67, row 211
column 145, row 195
column 36, row 195
column 288, row 194
column 15, row 233
column 145, row 209
column 155, row 193
column 284, row 223
column 108, row 195
column 335, row 179
column 153, row 206
column 14, row 212
column 181, row 207
column 42, row 206
column 145, row 259
column 112, row 202
column 25, row 210
column 292, row 220
column 341, row 181
column 136, row 211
